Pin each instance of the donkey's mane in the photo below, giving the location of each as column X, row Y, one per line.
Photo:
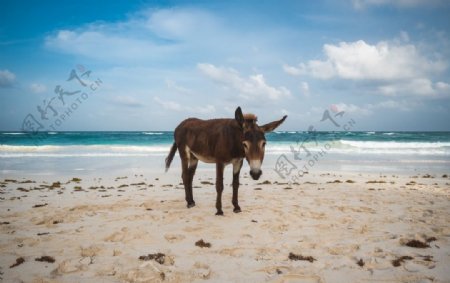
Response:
column 250, row 118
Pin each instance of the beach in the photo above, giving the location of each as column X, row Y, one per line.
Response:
column 114, row 218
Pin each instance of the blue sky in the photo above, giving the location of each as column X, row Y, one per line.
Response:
column 385, row 63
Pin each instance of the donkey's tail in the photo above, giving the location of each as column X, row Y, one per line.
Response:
column 169, row 157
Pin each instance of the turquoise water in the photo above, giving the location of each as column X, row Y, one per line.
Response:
column 58, row 144
column 56, row 153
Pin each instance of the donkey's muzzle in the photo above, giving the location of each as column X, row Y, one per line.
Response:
column 255, row 174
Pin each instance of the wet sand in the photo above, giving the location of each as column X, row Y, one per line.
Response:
column 344, row 227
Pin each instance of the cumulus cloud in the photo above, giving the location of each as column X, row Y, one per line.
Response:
column 397, row 68
column 252, row 87
column 38, row 88
column 359, row 60
column 7, row 78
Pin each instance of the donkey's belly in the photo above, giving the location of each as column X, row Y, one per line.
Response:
column 206, row 159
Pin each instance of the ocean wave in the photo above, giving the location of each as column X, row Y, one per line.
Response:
column 153, row 133
column 80, row 150
column 18, row 133
column 337, row 146
column 363, row 147
column 394, row 144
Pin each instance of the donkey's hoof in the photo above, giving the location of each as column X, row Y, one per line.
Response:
column 220, row 212
column 192, row 204
column 237, row 210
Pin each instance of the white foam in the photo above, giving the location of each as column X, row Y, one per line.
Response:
column 7, row 151
column 394, row 145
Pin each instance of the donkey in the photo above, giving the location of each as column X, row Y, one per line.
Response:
column 220, row 141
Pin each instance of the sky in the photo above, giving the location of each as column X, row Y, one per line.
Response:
column 147, row 65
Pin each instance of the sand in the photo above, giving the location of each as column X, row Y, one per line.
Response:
column 344, row 227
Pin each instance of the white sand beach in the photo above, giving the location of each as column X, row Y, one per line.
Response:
column 331, row 227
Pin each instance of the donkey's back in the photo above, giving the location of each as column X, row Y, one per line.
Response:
column 210, row 140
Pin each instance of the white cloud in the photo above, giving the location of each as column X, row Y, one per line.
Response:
column 127, row 101
column 370, row 109
column 304, row 87
column 394, row 67
column 404, row 36
column 174, row 106
column 383, row 61
column 419, row 86
column 7, row 78
column 38, row 88
column 392, row 104
column 172, row 85
column 147, row 35
column 441, row 86
column 249, row 88
column 179, row 23
column 105, row 45
column 362, row 4
column 292, row 70
column 168, row 105
column 352, row 108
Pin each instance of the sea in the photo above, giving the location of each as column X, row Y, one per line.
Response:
column 48, row 152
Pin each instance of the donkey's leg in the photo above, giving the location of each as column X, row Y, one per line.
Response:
column 237, row 165
column 219, row 187
column 192, row 167
column 185, row 174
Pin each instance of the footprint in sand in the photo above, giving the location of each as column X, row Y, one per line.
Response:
column 70, row 266
column 201, row 271
column 147, row 273
column 235, row 252
column 90, row 251
column 343, row 249
column 117, row 236
column 125, row 235
column 173, row 238
column 267, row 254
column 299, row 278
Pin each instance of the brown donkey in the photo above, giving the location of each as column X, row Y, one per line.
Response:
column 220, row 141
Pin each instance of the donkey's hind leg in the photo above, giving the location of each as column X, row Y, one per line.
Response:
column 186, row 176
column 191, row 170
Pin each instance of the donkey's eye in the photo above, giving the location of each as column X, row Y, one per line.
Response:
column 264, row 144
column 245, row 145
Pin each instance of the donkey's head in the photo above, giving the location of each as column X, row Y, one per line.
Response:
column 254, row 141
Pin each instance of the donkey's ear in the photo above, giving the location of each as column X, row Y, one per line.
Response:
column 239, row 117
column 272, row 125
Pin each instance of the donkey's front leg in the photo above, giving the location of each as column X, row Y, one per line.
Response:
column 237, row 165
column 219, row 187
